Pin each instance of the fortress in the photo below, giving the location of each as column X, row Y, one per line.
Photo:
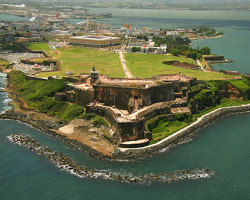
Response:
column 128, row 103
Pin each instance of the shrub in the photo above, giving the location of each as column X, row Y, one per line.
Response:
column 135, row 49
column 183, row 117
column 45, row 105
column 58, row 108
column 72, row 111
column 204, row 99
column 88, row 116
column 98, row 121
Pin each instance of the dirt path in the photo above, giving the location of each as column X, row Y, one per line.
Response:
column 124, row 66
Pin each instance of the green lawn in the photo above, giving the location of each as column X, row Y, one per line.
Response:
column 3, row 62
column 147, row 65
column 165, row 129
column 81, row 60
column 41, row 46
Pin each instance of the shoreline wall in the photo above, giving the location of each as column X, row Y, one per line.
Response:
column 129, row 154
column 174, row 139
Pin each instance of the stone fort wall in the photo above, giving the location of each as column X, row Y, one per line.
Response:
column 119, row 96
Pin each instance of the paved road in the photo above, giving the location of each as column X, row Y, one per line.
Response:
column 124, row 66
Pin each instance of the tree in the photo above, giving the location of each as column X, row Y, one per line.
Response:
column 199, row 56
column 176, row 52
column 205, row 50
column 192, row 54
column 135, row 49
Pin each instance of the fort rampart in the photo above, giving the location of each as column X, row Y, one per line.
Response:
column 172, row 140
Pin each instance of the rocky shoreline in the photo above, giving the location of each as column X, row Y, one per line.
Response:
column 129, row 154
column 48, row 127
column 65, row 163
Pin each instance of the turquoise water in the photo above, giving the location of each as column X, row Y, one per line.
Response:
column 234, row 46
column 222, row 147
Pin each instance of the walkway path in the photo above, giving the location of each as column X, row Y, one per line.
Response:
column 124, row 66
column 199, row 63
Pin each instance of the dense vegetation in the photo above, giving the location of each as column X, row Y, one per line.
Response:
column 170, row 41
column 207, row 31
column 39, row 96
column 211, row 93
column 12, row 48
column 190, row 52
column 136, row 49
column 207, row 96
column 97, row 120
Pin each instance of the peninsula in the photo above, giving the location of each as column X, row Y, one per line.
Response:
column 121, row 93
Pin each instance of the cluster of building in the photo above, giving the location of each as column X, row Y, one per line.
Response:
column 87, row 33
column 15, row 58
column 33, row 68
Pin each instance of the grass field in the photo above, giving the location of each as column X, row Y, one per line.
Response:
column 81, row 60
column 147, row 65
column 41, row 46
column 3, row 62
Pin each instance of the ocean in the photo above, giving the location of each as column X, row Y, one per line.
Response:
column 222, row 147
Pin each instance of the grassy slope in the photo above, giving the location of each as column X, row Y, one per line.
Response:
column 81, row 60
column 167, row 128
column 39, row 96
column 147, row 65
column 41, row 46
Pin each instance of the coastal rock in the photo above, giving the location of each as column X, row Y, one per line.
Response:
column 67, row 164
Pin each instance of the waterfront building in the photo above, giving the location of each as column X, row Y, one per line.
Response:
column 95, row 40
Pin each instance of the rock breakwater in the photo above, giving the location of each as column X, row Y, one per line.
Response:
column 65, row 163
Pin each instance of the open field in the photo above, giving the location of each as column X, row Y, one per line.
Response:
column 80, row 60
column 41, row 46
column 147, row 65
